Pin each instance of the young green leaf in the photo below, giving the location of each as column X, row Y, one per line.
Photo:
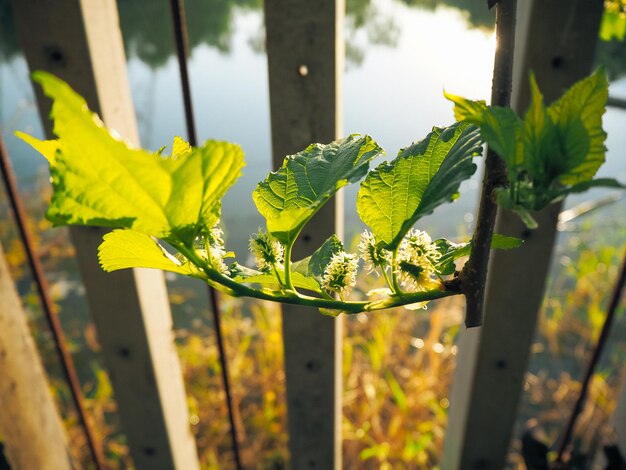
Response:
column 598, row 182
column 423, row 176
column 123, row 249
column 553, row 151
column 251, row 276
column 538, row 139
column 289, row 197
column 450, row 251
column 99, row 180
column 499, row 127
column 180, row 147
column 579, row 111
column 315, row 264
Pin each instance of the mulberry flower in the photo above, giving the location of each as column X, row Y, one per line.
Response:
column 267, row 251
column 340, row 274
column 216, row 251
column 374, row 256
column 416, row 258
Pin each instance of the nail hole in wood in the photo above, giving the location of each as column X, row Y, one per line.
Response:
column 558, row 62
column 149, row 451
column 312, row 366
column 55, row 55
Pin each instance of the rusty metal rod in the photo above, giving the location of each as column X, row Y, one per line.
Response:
column 48, row 307
column 182, row 49
column 591, row 367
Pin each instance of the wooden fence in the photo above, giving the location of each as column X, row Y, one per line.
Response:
column 80, row 41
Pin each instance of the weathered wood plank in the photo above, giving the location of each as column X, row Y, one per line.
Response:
column 30, row 425
column 80, row 41
column 556, row 39
column 305, row 56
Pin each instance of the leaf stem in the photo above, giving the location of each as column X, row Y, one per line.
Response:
column 280, row 281
column 386, row 276
column 287, row 257
column 407, row 299
column 394, row 273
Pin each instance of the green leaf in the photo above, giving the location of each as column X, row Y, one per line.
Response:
column 99, row 180
column 48, row 148
column 180, row 147
column 423, row 176
column 289, row 197
column 499, row 127
column 539, row 138
column 599, row 182
column 450, row 251
column 123, row 249
column 315, row 264
column 251, row 276
column 467, row 110
column 551, row 149
column 505, row 242
column 579, row 112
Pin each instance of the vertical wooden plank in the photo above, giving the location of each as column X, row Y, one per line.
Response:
column 557, row 41
column 305, row 57
column 29, row 423
column 80, row 41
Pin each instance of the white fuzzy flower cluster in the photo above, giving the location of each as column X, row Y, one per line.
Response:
column 340, row 274
column 416, row 260
column 216, row 250
column 267, row 251
column 374, row 256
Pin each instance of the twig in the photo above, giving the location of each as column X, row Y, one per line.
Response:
column 593, row 362
column 48, row 307
column 182, row 49
column 474, row 274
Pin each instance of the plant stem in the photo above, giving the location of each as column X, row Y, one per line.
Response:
column 394, row 273
column 387, row 280
column 293, row 297
column 280, row 282
column 474, row 275
column 410, row 298
column 287, row 256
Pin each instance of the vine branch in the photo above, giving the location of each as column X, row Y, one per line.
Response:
column 474, row 274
